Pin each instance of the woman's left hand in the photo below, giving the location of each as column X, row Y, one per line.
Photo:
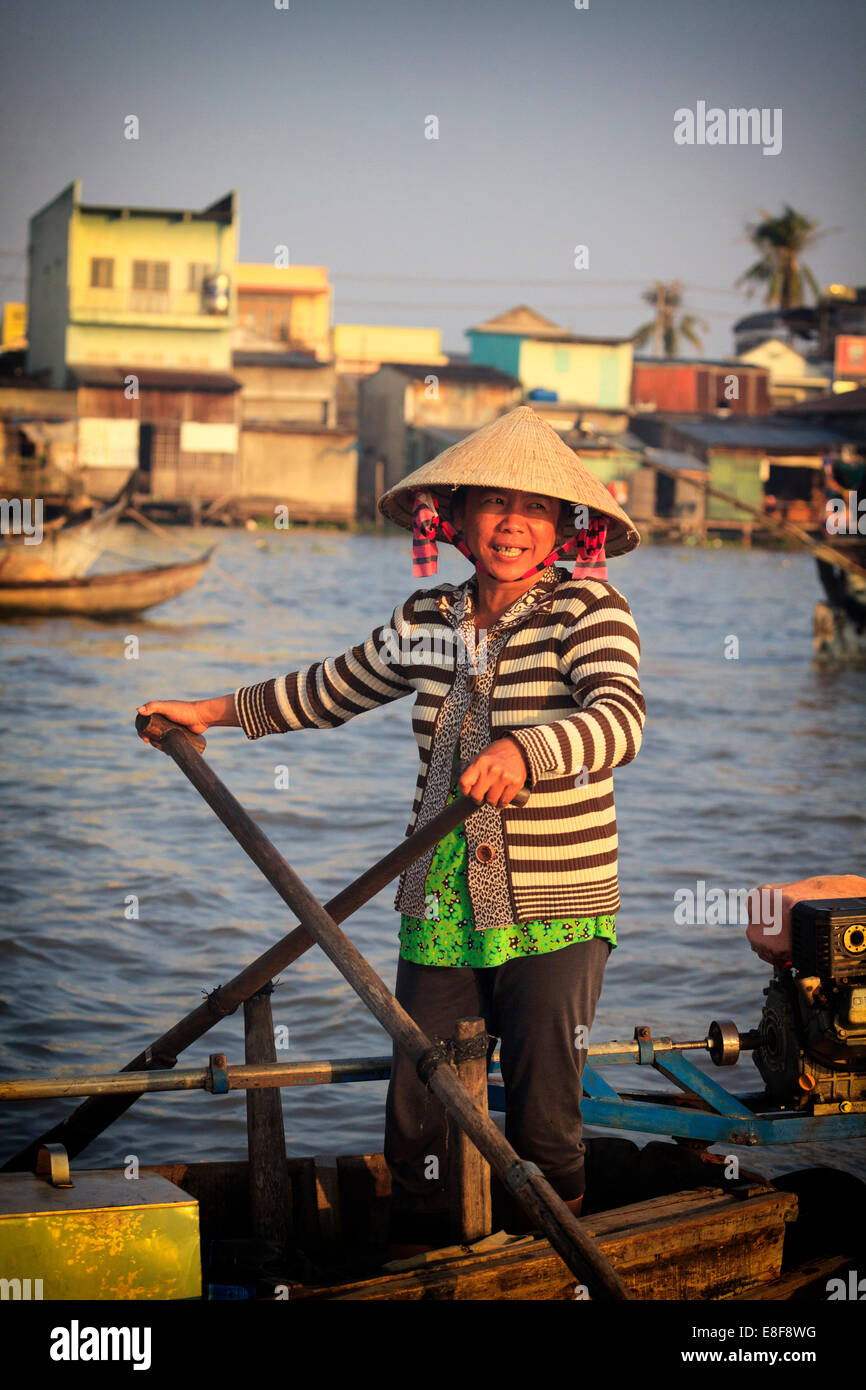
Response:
column 496, row 774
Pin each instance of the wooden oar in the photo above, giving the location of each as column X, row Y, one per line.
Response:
column 90, row 1119
column 523, row 1180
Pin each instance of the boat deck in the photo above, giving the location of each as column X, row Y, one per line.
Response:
column 665, row 1216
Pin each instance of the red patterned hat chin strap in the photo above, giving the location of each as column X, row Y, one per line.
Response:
column 428, row 526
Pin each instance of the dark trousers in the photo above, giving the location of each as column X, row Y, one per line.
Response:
column 533, row 1004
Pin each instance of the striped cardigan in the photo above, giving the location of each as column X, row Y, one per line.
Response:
column 564, row 687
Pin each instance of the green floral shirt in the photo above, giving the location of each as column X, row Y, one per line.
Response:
column 446, row 936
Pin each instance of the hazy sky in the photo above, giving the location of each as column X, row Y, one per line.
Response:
column 555, row 129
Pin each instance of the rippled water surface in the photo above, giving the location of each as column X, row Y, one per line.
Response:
column 751, row 771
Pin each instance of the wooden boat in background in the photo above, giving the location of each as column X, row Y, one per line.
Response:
column 102, row 595
column 839, row 624
column 68, row 546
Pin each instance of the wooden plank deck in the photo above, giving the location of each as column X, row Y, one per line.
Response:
column 697, row 1244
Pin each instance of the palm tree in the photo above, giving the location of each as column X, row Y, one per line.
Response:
column 665, row 330
column 781, row 242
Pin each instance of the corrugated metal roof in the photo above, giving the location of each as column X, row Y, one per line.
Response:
column 220, row 211
column 243, row 357
column 672, row 459
column 766, row 318
column 834, row 403
column 585, row 339
column 753, row 433
column 589, row 442
column 455, row 372
column 738, row 431
column 735, row 362
column 300, row 427
column 153, row 379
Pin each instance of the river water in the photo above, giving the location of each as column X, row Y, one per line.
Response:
column 751, row 771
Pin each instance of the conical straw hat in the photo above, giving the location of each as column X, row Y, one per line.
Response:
column 520, row 451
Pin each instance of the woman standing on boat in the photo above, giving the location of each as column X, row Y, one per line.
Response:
column 523, row 675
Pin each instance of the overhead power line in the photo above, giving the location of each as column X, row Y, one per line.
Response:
column 467, row 306
column 515, row 281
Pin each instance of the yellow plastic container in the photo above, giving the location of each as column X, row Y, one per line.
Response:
column 107, row 1236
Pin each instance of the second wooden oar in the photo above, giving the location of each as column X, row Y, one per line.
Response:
column 90, row 1119
column 523, row 1180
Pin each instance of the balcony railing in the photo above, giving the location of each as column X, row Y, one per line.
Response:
column 96, row 303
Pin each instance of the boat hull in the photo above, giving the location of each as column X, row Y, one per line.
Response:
column 102, row 595
column 839, row 625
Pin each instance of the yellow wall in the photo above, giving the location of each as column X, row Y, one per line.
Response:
column 172, row 349
column 780, row 360
column 252, row 275
column 360, row 347
column 14, row 325
column 586, row 373
column 309, row 292
column 132, row 238
column 789, row 379
column 179, row 335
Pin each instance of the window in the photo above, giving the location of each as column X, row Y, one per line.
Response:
column 150, row 275
column 197, row 270
column 561, row 359
column 101, row 272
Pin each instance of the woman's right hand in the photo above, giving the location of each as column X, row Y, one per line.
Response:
column 189, row 713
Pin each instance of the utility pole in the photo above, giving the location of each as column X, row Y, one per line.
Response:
column 661, row 314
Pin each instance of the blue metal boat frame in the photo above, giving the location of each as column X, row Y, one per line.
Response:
column 723, row 1118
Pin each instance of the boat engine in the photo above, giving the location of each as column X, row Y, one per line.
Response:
column 812, row 1048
